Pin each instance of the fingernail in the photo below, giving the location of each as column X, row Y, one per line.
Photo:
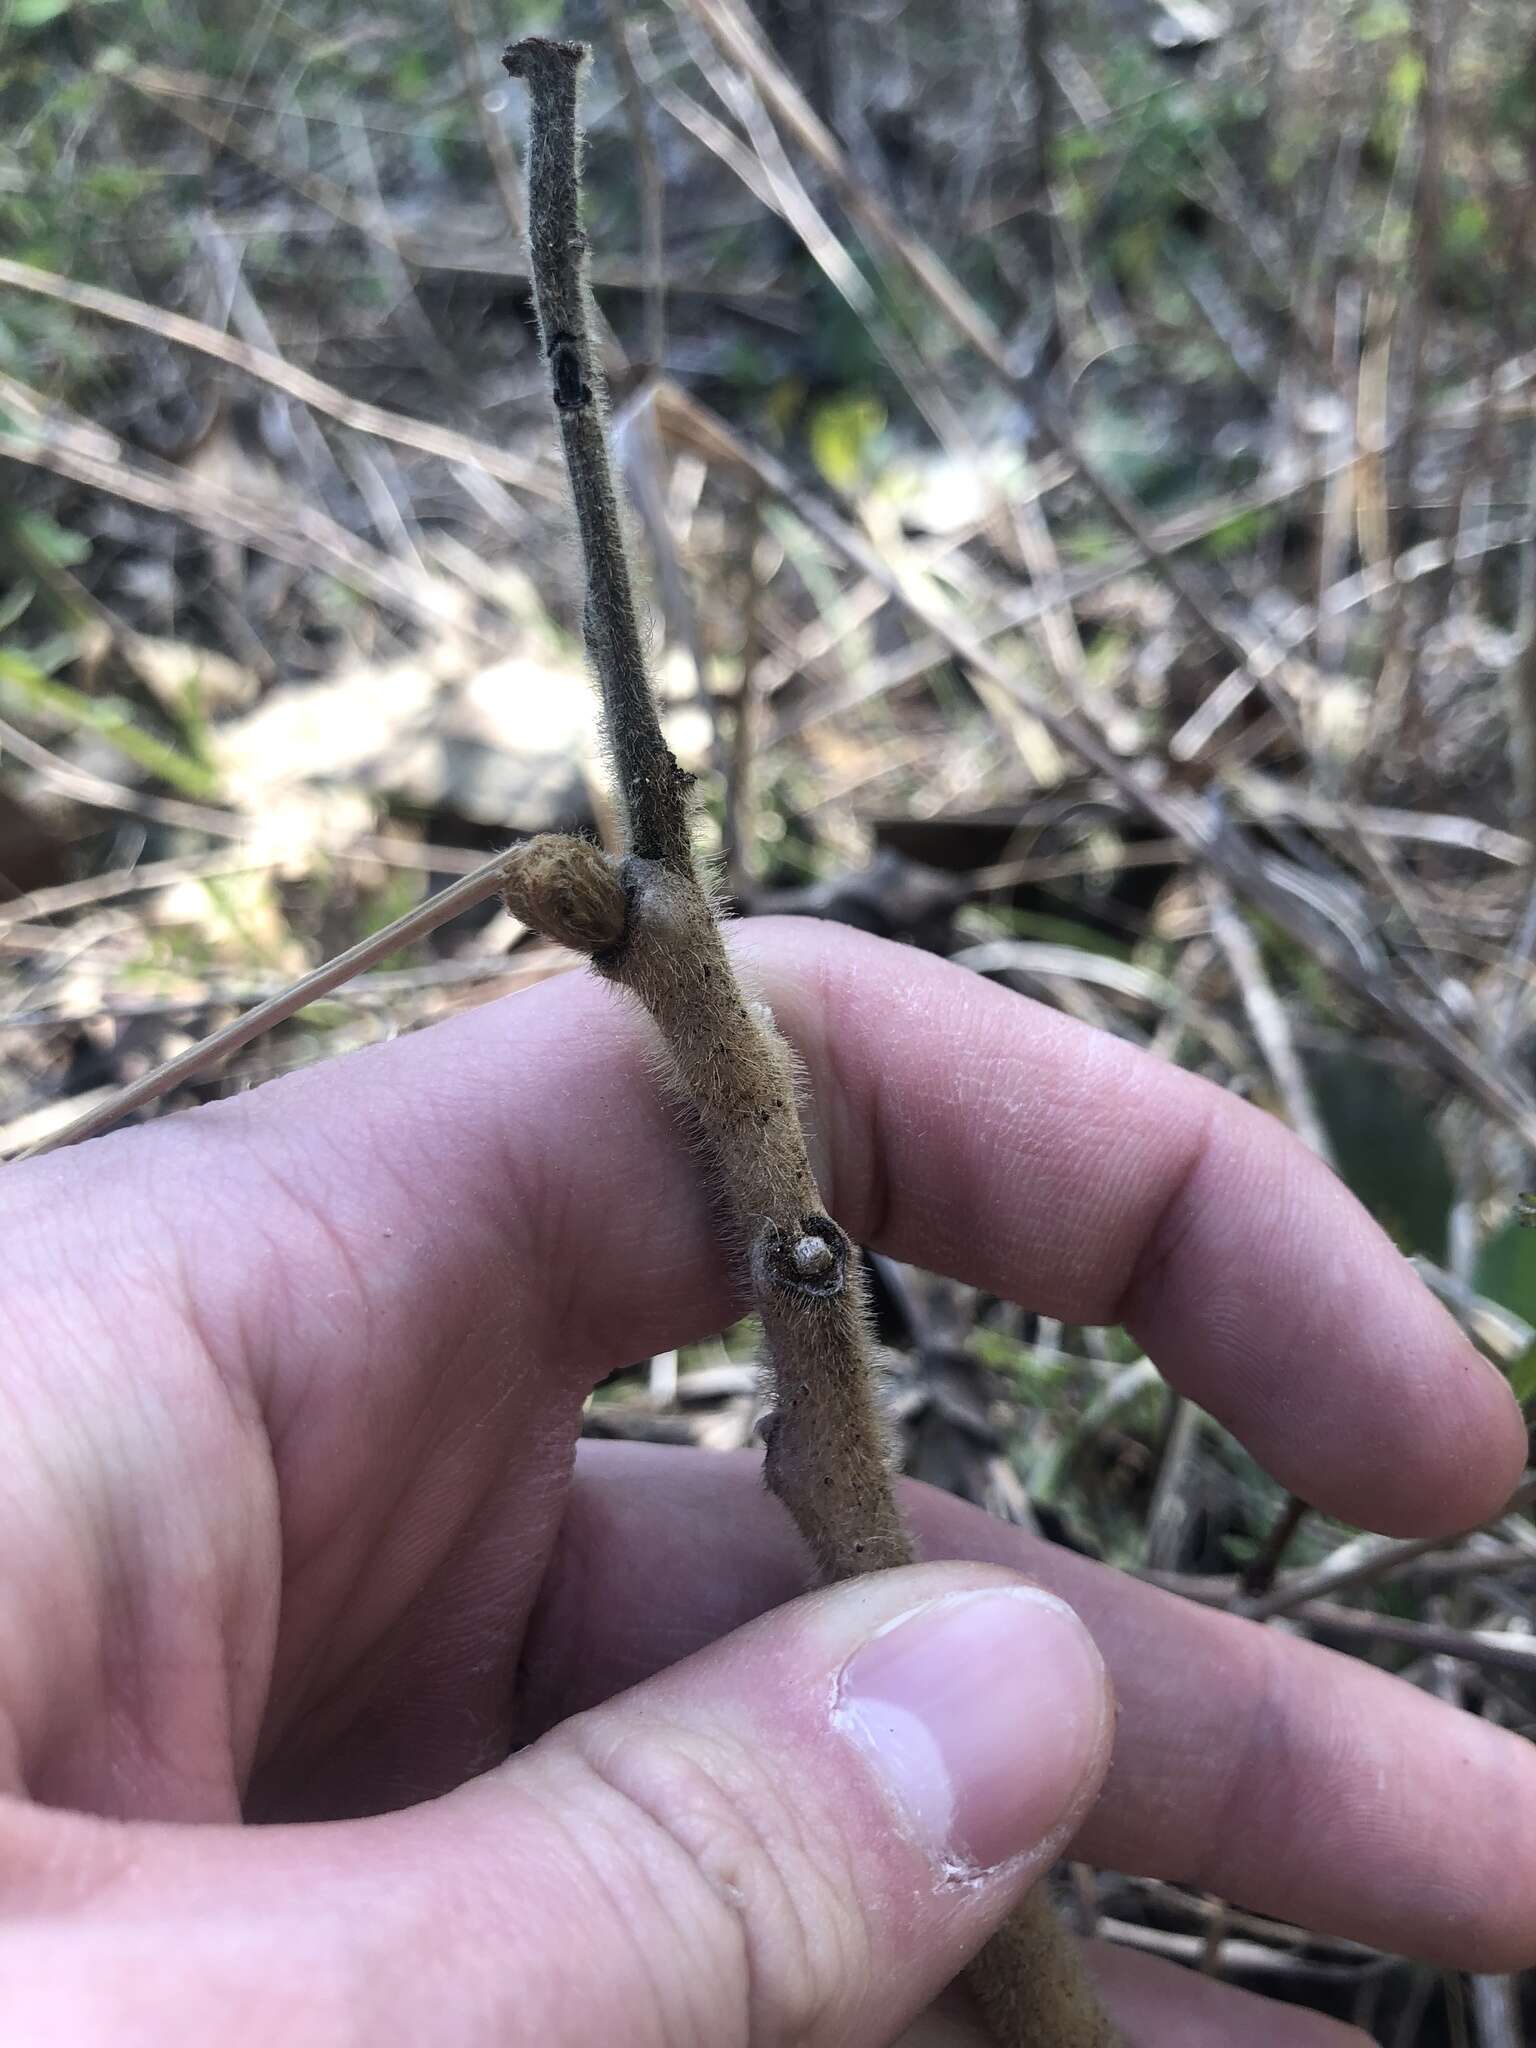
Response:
column 982, row 1713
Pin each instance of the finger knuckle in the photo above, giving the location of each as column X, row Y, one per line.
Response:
column 741, row 1873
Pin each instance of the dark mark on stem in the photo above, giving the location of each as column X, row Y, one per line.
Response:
column 571, row 389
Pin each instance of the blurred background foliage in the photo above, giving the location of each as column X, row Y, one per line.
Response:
column 1082, row 463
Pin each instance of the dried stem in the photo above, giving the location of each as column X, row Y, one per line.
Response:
column 1258, row 1577
column 1363, row 1562
column 502, row 156
column 651, row 191
column 648, row 924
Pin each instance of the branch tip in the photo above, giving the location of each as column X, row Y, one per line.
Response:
column 535, row 54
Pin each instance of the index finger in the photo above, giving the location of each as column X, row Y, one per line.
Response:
column 522, row 1163
column 975, row 1132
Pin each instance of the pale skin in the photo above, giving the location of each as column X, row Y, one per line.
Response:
column 290, row 1391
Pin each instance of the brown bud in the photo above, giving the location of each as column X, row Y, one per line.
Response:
column 809, row 1259
column 813, row 1259
column 569, row 891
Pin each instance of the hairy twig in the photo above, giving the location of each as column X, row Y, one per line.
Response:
column 649, row 926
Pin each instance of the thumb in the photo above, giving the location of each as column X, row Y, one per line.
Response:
column 799, row 1835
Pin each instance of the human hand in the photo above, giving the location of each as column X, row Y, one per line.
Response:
column 290, row 1389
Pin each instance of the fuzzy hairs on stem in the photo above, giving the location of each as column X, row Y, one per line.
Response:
column 647, row 924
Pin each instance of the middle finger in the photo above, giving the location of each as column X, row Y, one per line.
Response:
column 1247, row 1761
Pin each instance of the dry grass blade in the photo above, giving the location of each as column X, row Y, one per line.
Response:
column 87, row 788
column 218, row 1046
column 236, row 860
column 1170, row 1510
column 1208, row 837
column 739, row 39
column 1266, row 1015
column 653, row 252
column 1362, row 1563
column 1050, row 963
column 498, row 150
column 271, row 369
column 184, row 94
column 1490, row 1648
column 289, row 531
column 1263, row 797
column 159, row 874
column 769, row 174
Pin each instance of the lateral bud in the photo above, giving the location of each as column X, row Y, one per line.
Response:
column 810, row 1257
column 568, row 890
